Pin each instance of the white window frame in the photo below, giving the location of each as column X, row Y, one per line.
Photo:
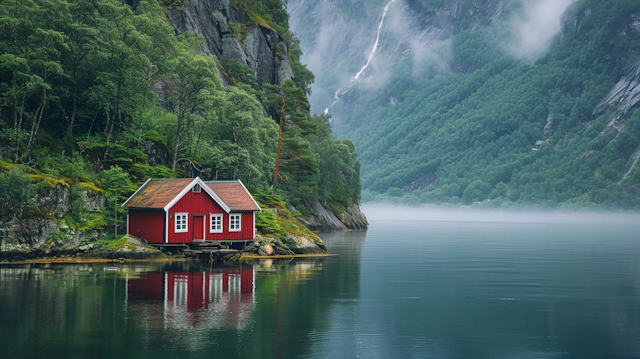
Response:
column 183, row 216
column 197, row 188
column 219, row 218
column 235, row 218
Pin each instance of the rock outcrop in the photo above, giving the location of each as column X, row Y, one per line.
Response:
column 289, row 245
column 353, row 218
column 256, row 46
column 127, row 247
column 625, row 95
column 44, row 228
column 322, row 219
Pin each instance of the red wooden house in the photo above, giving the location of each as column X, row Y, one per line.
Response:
column 175, row 211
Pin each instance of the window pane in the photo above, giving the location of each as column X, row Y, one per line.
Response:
column 181, row 222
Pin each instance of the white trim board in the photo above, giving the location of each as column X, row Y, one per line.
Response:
column 166, row 227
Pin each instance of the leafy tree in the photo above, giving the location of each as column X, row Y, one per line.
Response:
column 16, row 192
column 117, row 185
column 190, row 75
column 293, row 153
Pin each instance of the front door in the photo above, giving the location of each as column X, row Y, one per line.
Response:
column 198, row 228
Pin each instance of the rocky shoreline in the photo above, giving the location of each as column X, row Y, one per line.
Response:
column 125, row 248
column 132, row 248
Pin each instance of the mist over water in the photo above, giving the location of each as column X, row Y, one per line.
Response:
column 387, row 212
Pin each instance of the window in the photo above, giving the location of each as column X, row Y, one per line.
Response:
column 215, row 223
column 196, row 188
column 181, row 222
column 234, row 222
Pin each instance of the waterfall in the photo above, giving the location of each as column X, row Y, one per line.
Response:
column 342, row 90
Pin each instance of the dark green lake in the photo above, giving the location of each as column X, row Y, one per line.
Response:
column 404, row 289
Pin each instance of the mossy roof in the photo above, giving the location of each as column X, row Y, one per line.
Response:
column 157, row 193
column 235, row 195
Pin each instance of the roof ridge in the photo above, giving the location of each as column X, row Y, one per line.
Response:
column 226, row 181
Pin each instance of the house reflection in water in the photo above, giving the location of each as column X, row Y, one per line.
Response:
column 222, row 299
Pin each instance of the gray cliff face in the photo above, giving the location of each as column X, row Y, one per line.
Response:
column 322, row 219
column 261, row 48
column 625, row 95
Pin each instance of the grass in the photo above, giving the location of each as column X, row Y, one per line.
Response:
column 114, row 242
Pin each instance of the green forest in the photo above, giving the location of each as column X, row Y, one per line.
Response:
column 469, row 136
column 78, row 112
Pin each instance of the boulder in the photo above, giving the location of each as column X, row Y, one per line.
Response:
column 265, row 250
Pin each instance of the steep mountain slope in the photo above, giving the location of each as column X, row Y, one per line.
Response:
column 464, row 107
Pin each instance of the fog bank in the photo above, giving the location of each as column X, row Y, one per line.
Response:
column 536, row 25
column 384, row 212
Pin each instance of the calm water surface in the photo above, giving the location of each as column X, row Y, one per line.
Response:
column 404, row 289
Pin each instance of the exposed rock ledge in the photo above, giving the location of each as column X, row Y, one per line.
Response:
column 625, row 94
column 258, row 47
column 322, row 219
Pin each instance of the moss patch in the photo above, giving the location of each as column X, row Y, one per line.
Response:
column 52, row 181
column 7, row 166
column 91, row 187
column 238, row 29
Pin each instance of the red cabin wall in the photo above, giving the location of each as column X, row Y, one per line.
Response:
column 195, row 204
column 147, row 224
column 202, row 204
column 246, row 228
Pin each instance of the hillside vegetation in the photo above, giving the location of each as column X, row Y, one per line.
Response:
column 78, row 112
column 492, row 129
